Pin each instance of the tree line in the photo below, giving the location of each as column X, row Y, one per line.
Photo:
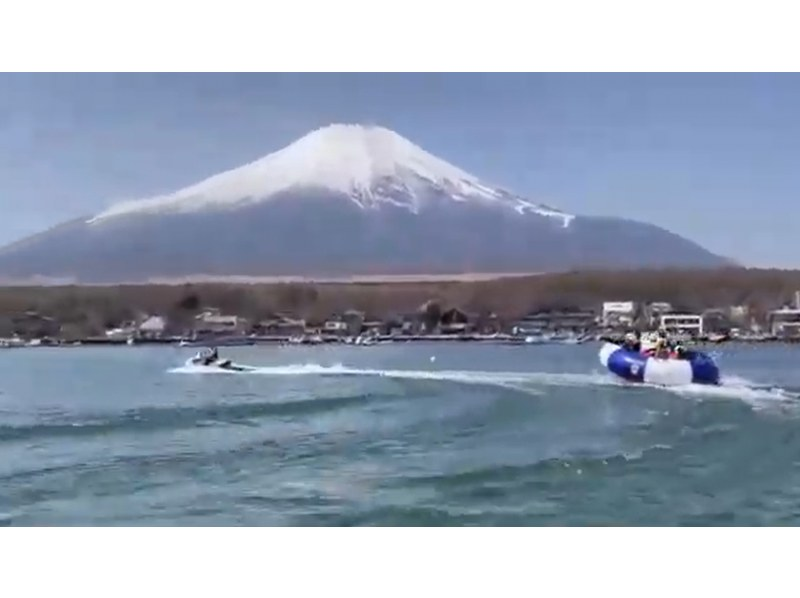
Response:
column 92, row 309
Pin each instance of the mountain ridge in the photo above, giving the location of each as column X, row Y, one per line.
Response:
column 342, row 200
column 371, row 165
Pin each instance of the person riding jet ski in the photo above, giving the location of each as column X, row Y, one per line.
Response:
column 206, row 357
column 211, row 357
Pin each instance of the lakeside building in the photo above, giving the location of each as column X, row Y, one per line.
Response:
column 654, row 311
column 619, row 314
column 784, row 322
column 610, row 317
column 213, row 322
column 574, row 320
column 122, row 332
column 280, row 325
column 455, row 321
column 152, row 327
column 691, row 324
column 334, row 326
column 717, row 321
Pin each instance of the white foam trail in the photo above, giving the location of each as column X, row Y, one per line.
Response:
column 464, row 376
column 732, row 387
column 288, row 370
column 737, row 388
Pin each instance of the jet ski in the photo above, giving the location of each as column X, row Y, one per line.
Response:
column 210, row 359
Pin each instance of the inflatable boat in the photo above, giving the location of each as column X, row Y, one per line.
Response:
column 694, row 367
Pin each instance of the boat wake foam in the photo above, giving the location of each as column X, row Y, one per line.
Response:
column 517, row 380
column 732, row 387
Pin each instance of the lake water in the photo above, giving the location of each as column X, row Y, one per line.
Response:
column 404, row 434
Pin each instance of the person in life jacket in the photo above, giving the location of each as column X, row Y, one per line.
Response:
column 679, row 352
column 210, row 356
column 632, row 342
column 659, row 346
column 662, row 345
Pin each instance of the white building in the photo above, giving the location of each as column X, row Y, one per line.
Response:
column 660, row 307
column 335, row 326
column 152, row 327
column 690, row 324
column 785, row 322
column 212, row 322
column 618, row 313
column 121, row 333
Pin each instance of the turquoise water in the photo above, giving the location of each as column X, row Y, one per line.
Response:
column 456, row 434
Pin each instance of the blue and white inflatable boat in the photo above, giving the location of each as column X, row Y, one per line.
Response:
column 694, row 367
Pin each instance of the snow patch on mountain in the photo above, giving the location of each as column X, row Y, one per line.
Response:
column 372, row 166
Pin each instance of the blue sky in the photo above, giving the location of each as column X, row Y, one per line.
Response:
column 715, row 158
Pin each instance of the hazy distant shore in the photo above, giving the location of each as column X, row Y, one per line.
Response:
column 248, row 280
column 412, row 340
column 88, row 311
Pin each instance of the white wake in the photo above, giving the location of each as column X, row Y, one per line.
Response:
column 462, row 376
column 732, row 387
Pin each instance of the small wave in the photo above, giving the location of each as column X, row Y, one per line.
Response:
column 175, row 417
column 539, row 471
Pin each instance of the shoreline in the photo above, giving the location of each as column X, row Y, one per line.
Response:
column 381, row 340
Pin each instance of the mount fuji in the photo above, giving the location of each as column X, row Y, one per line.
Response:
column 344, row 200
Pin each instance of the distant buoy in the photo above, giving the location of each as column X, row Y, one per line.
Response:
column 433, row 358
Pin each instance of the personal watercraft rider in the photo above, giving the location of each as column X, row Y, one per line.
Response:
column 210, row 357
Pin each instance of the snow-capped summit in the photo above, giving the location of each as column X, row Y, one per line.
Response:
column 344, row 200
column 370, row 165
